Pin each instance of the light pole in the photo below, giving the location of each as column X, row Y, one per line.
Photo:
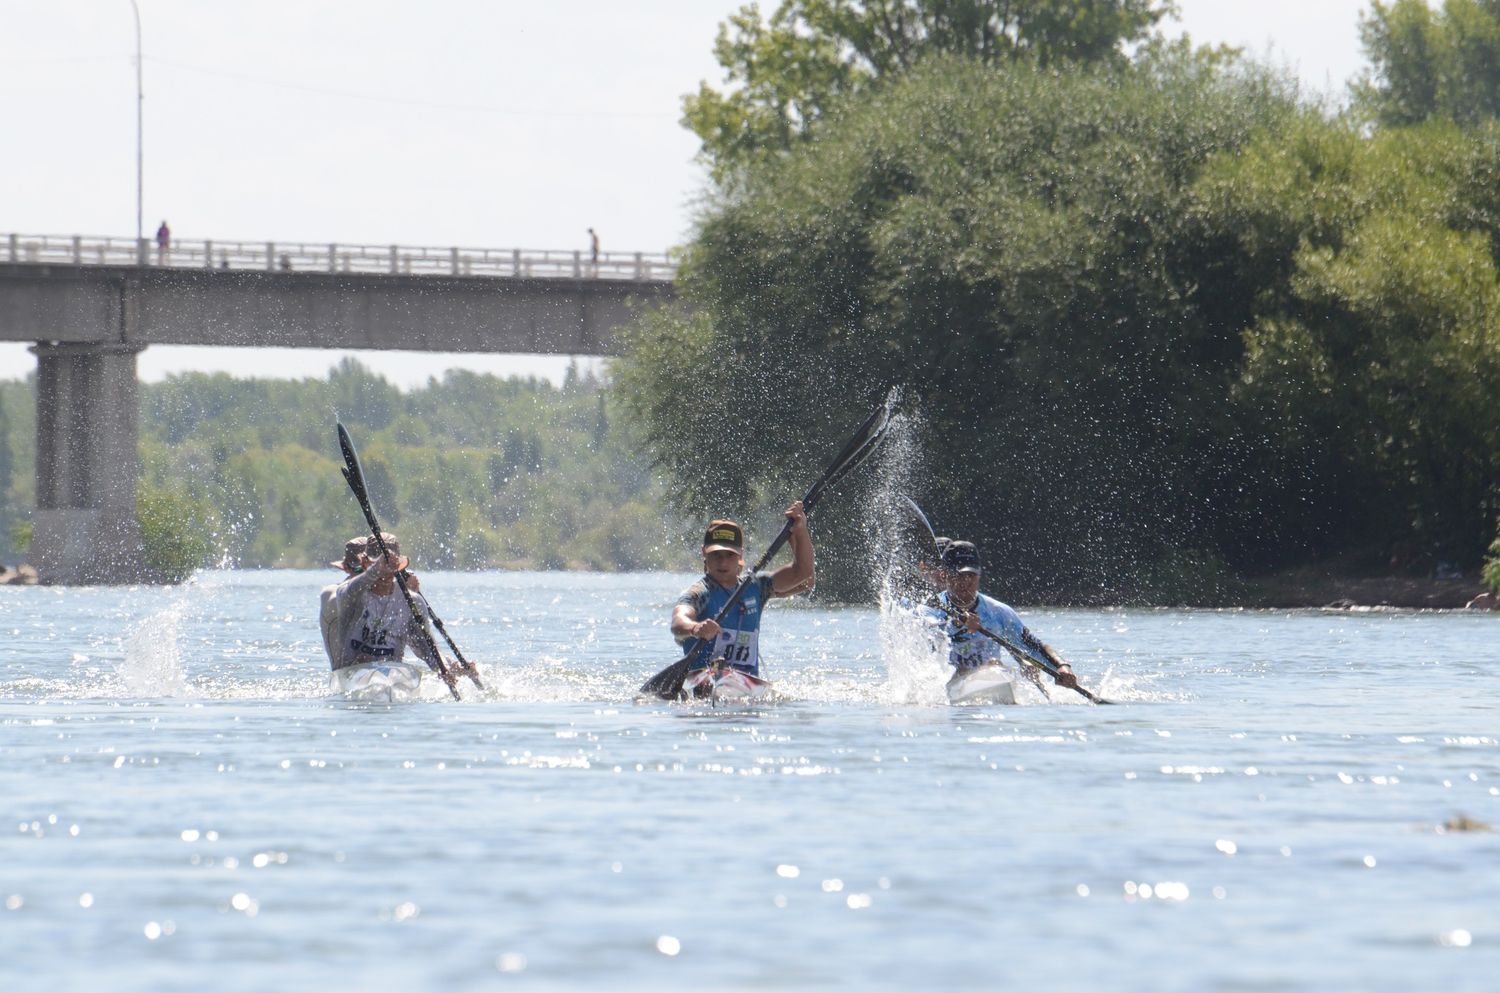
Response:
column 140, row 99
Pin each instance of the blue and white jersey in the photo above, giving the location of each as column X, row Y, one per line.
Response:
column 738, row 643
column 970, row 649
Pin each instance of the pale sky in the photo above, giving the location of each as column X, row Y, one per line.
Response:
column 476, row 123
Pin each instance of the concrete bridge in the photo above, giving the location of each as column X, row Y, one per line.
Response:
column 91, row 305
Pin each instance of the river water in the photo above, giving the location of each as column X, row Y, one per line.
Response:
column 183, row 806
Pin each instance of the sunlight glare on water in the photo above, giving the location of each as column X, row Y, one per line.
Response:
column 1277, row 800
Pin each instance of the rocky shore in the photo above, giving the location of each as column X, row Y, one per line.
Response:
column 1306, row 589
column 21, row 575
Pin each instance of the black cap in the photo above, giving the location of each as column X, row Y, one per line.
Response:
column 961, row 556
column 723, row 536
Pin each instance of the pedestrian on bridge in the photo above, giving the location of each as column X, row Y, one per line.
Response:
column 163, row 243
column 593, row 252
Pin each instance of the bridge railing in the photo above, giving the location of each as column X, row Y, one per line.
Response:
column 276, row 256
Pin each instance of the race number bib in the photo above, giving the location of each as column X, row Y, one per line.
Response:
column 382, row 627
column 970, row 652
column 737, row 648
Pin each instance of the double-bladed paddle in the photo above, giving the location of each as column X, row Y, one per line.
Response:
column 355, row 477
column 667, row 684
column 1034, row 655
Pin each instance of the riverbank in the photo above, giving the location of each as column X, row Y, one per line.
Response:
column 1309, row 588
column 21, row 575
column 1293, row 590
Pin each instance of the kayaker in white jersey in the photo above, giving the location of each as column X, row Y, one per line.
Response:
column 736, row 641
column 964, row 610
column 349, row 565
column 365, row 618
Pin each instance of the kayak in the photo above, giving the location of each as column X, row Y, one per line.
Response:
column 722, row 684
column 383, row 682
column 989, row 683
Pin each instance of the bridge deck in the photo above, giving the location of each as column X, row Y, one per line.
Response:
column 273, row 256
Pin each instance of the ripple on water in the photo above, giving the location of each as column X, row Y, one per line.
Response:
column 552, row 806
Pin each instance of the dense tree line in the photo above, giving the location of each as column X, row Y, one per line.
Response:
column 471, row 471
column 1428, row 62
column 1166, row 321
column 17, row 466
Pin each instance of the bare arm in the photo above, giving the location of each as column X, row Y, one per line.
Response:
column 800, row 572
column 1065, row 675
column 685, row 625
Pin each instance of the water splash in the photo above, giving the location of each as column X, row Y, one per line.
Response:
column 153, row 665
column 915, row 655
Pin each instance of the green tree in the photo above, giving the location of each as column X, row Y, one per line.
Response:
column 472, row 471
column 1020, row 249
column 179, row 532
column 1373, row 346
column 6, row 460
column 362, row 397
column 789, row 72
column 1428, row 63
column 1492, row 564
column 18, row 441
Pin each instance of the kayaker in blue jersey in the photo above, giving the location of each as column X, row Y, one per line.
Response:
column 736, row 640
column 964, row 610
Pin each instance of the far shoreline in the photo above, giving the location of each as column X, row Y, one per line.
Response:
column 1328, row 591
column 1297, row 590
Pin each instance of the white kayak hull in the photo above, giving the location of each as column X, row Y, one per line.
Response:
column 384, row 682
column 992, row 683
column 724, row 684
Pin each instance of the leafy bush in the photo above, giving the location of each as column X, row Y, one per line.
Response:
column 20, row 536
column 1492, row 564
column 178, row 532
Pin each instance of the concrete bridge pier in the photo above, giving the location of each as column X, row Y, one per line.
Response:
column 85, row 528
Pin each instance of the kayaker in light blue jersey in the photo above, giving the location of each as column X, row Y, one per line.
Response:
column 963, row 610
column 735, row 641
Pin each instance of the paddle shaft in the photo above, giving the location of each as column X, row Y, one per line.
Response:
column 467, row 667
column 1022, row 656
column 355, row 477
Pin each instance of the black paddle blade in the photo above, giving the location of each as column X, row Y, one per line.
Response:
column 857, row 459
column 667, row 684
column 921, row 517
column 353, row 475
column 860, row 447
